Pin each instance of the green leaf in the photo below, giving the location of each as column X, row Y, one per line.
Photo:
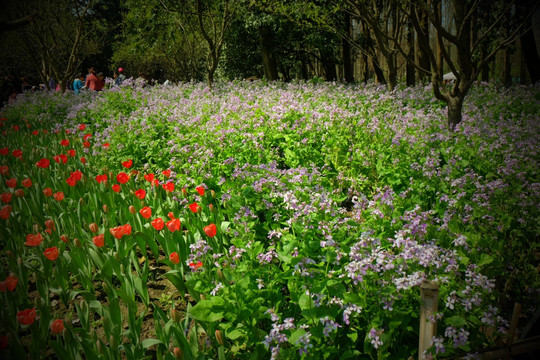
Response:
column 456, row 321
column 208, row 310
column 237, row 333
column 146, row 343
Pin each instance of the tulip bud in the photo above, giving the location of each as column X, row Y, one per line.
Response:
column 184, row 192
column 132, row 209
column 220, row 275
column 211, row 208
column 64, row 238
column 117, row 257
column 99, row 347
column 175, row 315
column 77, row 242
column 83, row 305
column 93, row 227
column 81, row 201
column 199, row 209
column 19, row 192
column 19, row 262
column 219, row 337
column 112, row 342
column 203, row 297
column 178, row 353
column 36, row 228
column 213, row 193
column 105, row 209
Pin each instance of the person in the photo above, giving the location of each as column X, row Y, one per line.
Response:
column 141, row 80
column 101, row 82
column 52, row 83
column 92, row 81
column 78, row 83
column 121, row 77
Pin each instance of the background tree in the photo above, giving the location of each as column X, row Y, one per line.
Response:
column 58, row 39
column 473, row 52
column 159, row 44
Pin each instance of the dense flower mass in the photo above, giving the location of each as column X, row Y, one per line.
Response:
column 300, row 218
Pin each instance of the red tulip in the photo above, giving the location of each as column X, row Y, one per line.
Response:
column 6, row 197
column 168, row 186
column 175, row 259
column 195, row 266
column 49, row 224
column 5, row 212
column 11, row 283
column 101, row 178
column 71, row 153
column 106, row 145
column 4, row 151
column 122, row 178
column 57, row 326
column 43, row 163
column 51, row 253
column 200, row 190
column 47, row 192
column 166, row 173
column 93, row 227
column 149, row 177
column 33, row 239
column 86, row 136
column 27, row 183
column 116, row 188
column 35, row 132
column 64, row 142
column 59, row 196
column 141, row 193
column 99, row 240
column 127, row 164
column 146, row 212
column 27, row 316
column 194, row 207
column 174, row 225
column 17, row 153
column 158, row 223
column 82, row 127
column 19, row 192
column 86, row 144
column 64, row 238
column 4, row 170
column 210, row 230
column 83, row 160
column 11, row 183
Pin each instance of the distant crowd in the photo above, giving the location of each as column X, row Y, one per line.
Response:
column 92, row 81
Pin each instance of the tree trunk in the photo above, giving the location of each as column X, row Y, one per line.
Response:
column 378, row 72
column 329, row 66
column 347, row 52
column 530, row 54
column 421, row 56
column 507, row 66
column 410, row 76
column 269, row 62
column 454, row 104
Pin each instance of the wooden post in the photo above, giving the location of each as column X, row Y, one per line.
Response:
column 429, row 304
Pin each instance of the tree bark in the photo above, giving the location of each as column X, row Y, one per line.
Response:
column 530, row 54
column 421, row 55
column 454, row 104
column 269, row 62
column 411, row 70
column 347, row 52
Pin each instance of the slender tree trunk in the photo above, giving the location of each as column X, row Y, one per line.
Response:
column 411, row 70
column 329, row 66
column 423, row 59
column 530, row 54
column 269, row 62
column 347, row 52
column 379, row 74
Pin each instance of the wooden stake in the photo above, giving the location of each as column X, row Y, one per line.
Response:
column 429, row 305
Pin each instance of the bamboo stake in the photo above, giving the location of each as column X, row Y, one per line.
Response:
column 429, row 301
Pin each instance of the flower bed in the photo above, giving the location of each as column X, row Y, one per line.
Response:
column 291, row 220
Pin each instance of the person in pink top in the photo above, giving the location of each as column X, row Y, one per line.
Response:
column 92, row 81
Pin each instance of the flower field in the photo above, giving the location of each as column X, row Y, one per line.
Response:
column 257, row 221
